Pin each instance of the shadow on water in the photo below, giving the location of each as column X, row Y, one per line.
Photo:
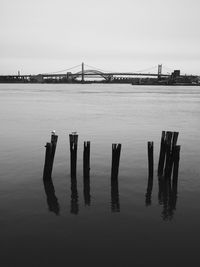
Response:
column 52, row 200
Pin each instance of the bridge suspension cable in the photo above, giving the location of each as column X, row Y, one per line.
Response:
column 63, row 70
column 168, row 68
column 97, row 68
column 145, row 70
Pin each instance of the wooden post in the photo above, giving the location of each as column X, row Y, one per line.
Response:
column 176, row 163
column 168, row 152
column 150, row 158
column 73, row 139
column 162, row 154
column 171, row 161
column 116, row 150
column 150, row 173
column 47, row 164
column 86, row 173
column 86, row 159
column 175, row 138
column 175, row 182
column 54, row 139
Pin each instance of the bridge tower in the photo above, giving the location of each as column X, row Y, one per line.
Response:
column 159, row 70
column 82, row 74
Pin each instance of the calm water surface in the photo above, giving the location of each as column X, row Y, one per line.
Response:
column 62, row 225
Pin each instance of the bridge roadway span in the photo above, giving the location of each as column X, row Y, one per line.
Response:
column 75, row 75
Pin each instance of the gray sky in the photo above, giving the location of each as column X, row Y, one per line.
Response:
column 40, row 36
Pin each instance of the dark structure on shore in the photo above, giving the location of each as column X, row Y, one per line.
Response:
column 96, row 76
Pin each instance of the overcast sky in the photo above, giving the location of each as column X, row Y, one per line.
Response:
column 40, row 36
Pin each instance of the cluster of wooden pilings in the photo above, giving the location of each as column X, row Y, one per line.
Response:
column 169, row 156
column 48, row 167
column 73, row 139
column 168, row 166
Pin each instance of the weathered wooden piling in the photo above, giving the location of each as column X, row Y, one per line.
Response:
column 49, row 156
column 166, row 158
column 54, row 139
column 73, row 139
column 116, row 150
column 162, row 154
column 175, row 177
column 169, row 136
column 176, row 163
column 86, row 159
column 86, row 172
column 172, row 155
column 150, row 158
column 175, row 138
column 47, row 164
column 150, row 173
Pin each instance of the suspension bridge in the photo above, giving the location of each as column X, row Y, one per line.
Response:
column 87, row 71
column 84, row 72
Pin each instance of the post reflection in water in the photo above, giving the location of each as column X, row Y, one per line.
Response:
column 167, row 191
column 115, row 202
column 52, row 200
column 167, row 194
column 149, row 191
column 74, row 196
column 86, row 190
column 167, row 197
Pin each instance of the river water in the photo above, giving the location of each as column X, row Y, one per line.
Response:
column 59, row 225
